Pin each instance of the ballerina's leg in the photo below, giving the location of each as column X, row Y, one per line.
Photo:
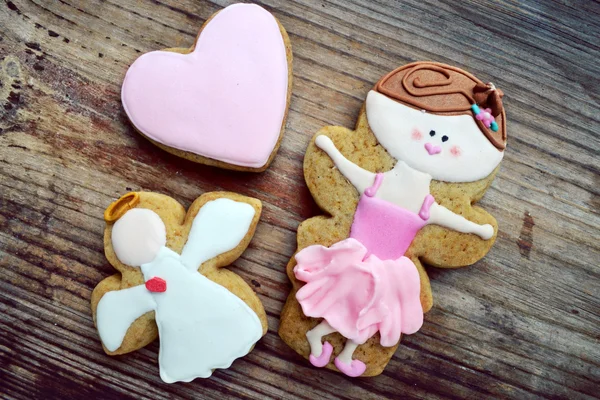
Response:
column 346, row 355
column 319, row 353
column 315, row 336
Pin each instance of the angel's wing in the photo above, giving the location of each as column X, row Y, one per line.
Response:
column 117, row 310
column 219, row 227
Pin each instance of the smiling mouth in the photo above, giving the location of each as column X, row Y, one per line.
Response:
column 432, row 148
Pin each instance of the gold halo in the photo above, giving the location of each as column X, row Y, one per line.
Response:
column 121, row 206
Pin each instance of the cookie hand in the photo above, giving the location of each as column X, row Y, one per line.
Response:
column 358, row 177
column 440, row 215
column 485, row 231
column 324, row 143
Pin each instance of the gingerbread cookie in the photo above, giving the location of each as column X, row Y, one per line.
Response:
column 222, row 102
column 400, row 191
column 170, row 282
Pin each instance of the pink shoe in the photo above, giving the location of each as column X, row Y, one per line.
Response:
column 354, row 369
column 323, row 359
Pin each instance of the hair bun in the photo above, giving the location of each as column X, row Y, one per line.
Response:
column 487, row 96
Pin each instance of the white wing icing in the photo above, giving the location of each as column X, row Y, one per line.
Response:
column 117, row 310
column 219, row 226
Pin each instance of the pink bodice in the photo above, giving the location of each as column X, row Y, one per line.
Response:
column 384, row 228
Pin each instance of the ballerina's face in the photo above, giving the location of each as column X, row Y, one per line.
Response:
column 449, row 148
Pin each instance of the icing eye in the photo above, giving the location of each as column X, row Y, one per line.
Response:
column 431, row 133
column 444, row 138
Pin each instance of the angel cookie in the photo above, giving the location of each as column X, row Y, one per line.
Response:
column 171, row 285
column 400, row 191
column 222, row 102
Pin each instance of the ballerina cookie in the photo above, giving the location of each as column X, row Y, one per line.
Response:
column 400, row 192
column 222, row 102
column 171, row 284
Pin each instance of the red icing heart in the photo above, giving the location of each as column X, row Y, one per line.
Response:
column 226, row 100
column 156, row 285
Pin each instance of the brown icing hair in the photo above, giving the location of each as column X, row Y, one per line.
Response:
column 445, row 90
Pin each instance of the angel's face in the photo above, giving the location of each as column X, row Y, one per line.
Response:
column 138, row 236
column 449, row 148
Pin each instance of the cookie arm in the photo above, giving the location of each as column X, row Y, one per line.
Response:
column 360, row 178
column 117, row 310
column 440, row 215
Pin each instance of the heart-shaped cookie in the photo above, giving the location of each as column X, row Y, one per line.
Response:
column 224, row 101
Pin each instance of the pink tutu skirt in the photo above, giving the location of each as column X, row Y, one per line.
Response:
column 359, row 296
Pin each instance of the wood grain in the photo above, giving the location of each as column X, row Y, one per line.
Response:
column 522, row 323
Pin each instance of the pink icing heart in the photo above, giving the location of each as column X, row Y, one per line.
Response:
column 226, row 100
column 432, row 149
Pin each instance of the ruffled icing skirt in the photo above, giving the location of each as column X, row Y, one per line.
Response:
column 359, row 296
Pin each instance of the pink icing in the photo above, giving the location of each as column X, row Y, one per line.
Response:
column 353, row 369
column 373, row 189
column 364, row 284
column 416, row 134
column 432, row 149
column 359, row 296
column 424, row 211
column 323, row 359
column 486, row 117
column 386, row 229
column 226, row 100
column 455, row 151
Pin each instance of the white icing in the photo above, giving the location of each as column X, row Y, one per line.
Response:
column 440, row 215
column 345, row 355
column 393, row 124
column 405, row 187
column 402, row 185
column 202, row 326
column 219, row 227
column 315, row 337
column 360, row 178
column 117, row 310
column 138, row 236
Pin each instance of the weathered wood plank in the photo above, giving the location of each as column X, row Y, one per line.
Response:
column 522, row 323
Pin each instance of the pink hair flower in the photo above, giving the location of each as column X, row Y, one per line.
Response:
column 485, row 116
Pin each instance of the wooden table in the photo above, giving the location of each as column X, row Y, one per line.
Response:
column 522, row 323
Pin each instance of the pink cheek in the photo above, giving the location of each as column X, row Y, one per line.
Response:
column 416, row 134
column 455, row 151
